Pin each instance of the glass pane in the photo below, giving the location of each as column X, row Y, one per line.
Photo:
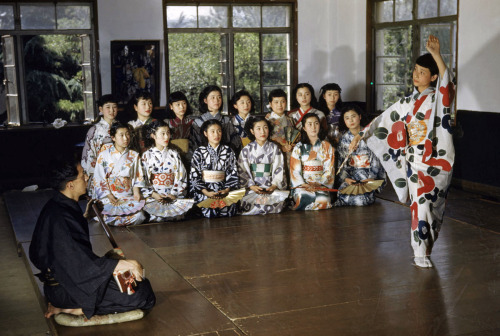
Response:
column 53, row 77
column 448, row 7
column 86, row 49
column 384, row 11
column 87, row 73
column 275, row 73
column 447, row 40
column 427, row 8
column 6, row 17
column 267, row 89
column 9, row 103
column 275, row 46
column 8, row 45
column 11, row 79
column 276, row 16
column 388, row 95
column 88, row 99
column 38, row 16
column 212, row 16
column 391, row 70
column 189, row 72
column 73, row 17
column 393, row 42
column 247, row 65
column 181, row 16
column 403, row 10
column 246, row 16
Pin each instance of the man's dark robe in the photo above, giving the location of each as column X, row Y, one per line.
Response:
column 60, row 248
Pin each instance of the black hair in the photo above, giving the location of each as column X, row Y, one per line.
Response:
column 295, row 104
column 107, row 98
column 303, row 136
column 322, row 105
column 205, row 127
column 236, row 97
column 346, row 108
column 204, row 94
column 250, row 123
column 151, row 128
column 427, row 61
column 115, row 126
column 63, row 171
column 175, row 97
column 138, row 96
column 276, row 93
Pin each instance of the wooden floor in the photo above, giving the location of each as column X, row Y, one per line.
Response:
column 345, row 271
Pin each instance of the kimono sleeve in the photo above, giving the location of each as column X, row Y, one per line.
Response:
column 231, row 170
column 196, row 174
column 180, row 180
column 137, row 173
column 296, row 178
column 101, row 188
column 328, row 176
column 89, row 153
column 278, row 169
column 148, row 189
column 244, row 170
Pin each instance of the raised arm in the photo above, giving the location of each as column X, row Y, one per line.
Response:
column 433, row 48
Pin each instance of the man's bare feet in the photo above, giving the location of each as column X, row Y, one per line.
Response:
column 51, row 310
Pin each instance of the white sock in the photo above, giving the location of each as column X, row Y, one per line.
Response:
column 424, row 262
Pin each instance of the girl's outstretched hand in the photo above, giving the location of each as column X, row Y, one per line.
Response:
column 432, row 45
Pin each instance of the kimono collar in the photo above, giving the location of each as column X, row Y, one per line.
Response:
column 275, row 115
column 104, row 123
column 208, row 116
column 416, row 94
column 113, row 150
column 155, row 149
column 216, row 149
column 62, row 199
column 239, row 118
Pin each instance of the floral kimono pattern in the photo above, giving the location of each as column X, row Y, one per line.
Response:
column 137, row 141
column 279, row 123
column 413, row 139
column 361, row 165
column 230, row 135
column 312, row 163
column 118, row 173
column 297, row 114
column 262, row 166
column 166, row 175
column 207, row 158
column 97, row 136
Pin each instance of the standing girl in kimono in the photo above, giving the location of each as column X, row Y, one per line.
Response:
column 261, row 169
column 330, row 103
column 143, row 106
column 213, row 171
column 311, row 167
column 97, row 136
column 303, row 102
column 118, row 179
column 362, row 165
column 210, row 108
column 242, row 107
column 179, row 120
column 165, row 174
column 413, row 139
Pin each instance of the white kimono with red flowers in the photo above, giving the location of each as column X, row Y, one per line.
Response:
column 413, row 140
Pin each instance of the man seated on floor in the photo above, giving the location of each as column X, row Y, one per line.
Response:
column 76, row 281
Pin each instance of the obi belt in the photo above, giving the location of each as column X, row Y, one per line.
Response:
column 360, row 161
column 312, row 170
column 260, row 169
column 214, row 176
column 163, row 179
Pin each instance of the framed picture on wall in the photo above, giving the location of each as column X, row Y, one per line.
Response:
column 135, row 67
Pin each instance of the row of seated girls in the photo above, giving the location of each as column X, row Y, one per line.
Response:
column 156, row 170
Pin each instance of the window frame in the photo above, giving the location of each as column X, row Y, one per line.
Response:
column 18, row 33
column 230, row 31
column 371, row 28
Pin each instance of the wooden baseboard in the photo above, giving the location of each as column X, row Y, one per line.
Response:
column 477, row 188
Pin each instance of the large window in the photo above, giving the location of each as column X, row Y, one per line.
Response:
column 47, row 64
column 234, row 45
column 400, row 29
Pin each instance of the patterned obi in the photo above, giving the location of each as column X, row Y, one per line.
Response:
column 213, row 176
column 163, row 179
column 417, row 131
column 261, row 169
column 312, row 170
column 119, row 184
column 360, row 161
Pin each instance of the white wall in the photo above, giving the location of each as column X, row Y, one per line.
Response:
column 332, row 45
column 129, row 20
column 478, row 56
